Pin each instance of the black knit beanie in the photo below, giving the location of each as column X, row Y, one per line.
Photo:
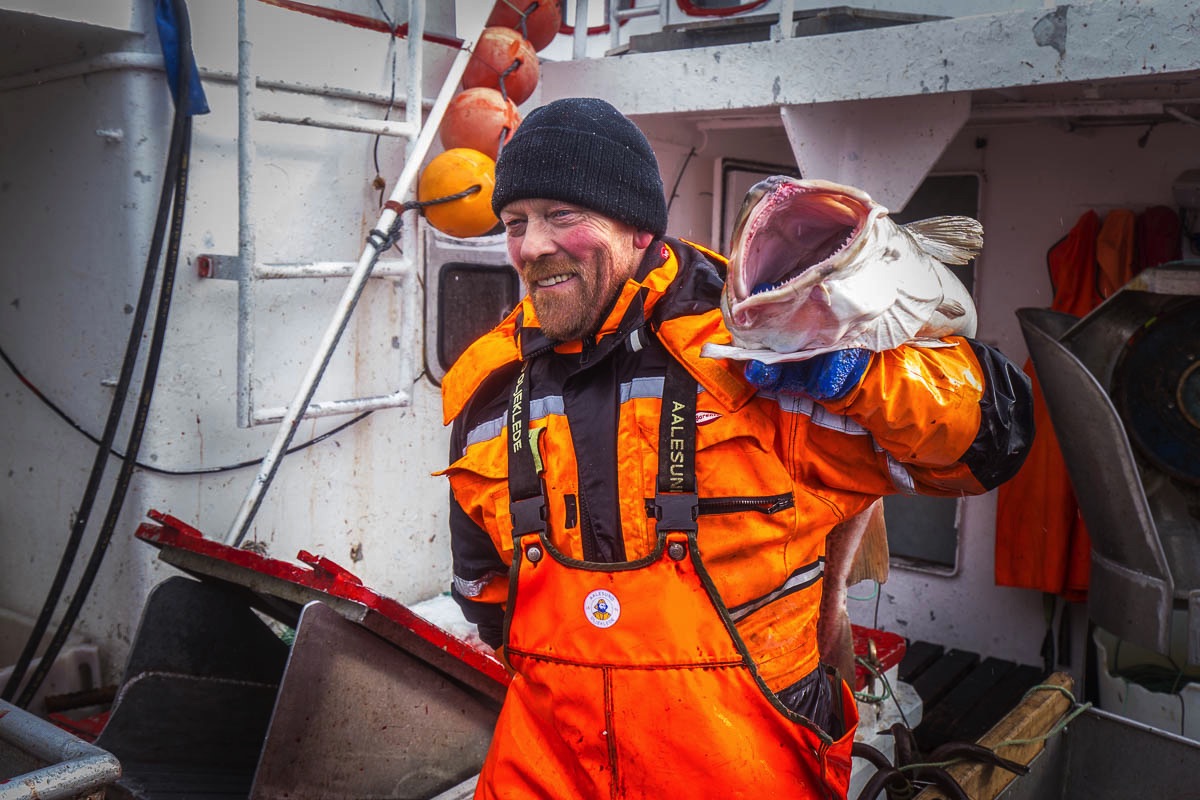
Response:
column 583, row 151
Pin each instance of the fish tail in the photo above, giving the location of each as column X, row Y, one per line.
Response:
column 949, row 239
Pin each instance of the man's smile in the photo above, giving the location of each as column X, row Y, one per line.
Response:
column 553, row 280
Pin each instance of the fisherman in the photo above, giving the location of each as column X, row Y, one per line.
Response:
column 639, row 531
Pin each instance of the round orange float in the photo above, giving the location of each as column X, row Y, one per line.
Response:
column 449, row 173
column 477, row 118
column 494, row 54
column 541, row 24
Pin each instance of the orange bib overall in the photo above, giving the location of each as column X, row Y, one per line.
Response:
column 632, row 681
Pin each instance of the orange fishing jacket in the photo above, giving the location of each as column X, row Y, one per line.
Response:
column 773, row 474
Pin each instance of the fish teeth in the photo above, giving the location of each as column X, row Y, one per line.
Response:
column 767, row 287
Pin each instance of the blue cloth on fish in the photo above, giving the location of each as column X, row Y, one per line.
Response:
column 825, row 377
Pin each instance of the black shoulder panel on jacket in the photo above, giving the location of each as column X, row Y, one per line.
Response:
column 1006, row 419
column 698, row 288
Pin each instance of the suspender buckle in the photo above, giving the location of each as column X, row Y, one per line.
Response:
column 676, row 511
column 528, row 515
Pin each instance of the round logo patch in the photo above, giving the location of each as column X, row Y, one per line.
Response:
column 602, row 608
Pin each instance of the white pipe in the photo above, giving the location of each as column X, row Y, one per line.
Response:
column 379, row 127
column 579, row 43
column 399, row 267
column 246, row 233
column 149, row 62
column 332, row 408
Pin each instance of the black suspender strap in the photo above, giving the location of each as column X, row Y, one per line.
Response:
column 527, row 502
column 675, row 502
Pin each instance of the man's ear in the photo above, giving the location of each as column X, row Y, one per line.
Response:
column 642, row 239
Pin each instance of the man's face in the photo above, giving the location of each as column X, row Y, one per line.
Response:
column 573, row 260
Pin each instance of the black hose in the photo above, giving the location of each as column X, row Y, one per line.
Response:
column 137, row 429
column 185, row 471
column 174, row 177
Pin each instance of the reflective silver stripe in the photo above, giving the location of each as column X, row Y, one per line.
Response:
column 484, row 431
column 473, row 588
column 798, row 404
column 538, row 409
column 839, row 422
column 640, row 388
column 901, row 479
column 636, row 389
column 800, row 579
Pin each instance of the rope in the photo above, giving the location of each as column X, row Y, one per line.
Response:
column 529, row 9
column 418, row 204
column 1058, row 728
column 1062, row 723
column 511, row 67
column 874, row 593
column 887, row 690
column 381, row 241
column 874, row 670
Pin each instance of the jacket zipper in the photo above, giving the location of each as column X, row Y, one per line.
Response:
column 737, row 505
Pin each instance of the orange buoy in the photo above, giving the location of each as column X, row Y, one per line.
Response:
column 495, row 52
column 477, row 118
column 449, row 173
column 541, row 24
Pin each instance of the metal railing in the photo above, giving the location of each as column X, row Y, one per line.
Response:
column 66, row 766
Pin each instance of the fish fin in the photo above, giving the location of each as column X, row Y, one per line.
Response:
column 951, row 240
column 951, row 309
column 872, row 557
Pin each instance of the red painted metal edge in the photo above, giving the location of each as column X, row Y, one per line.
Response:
column 323, row 575
column 889, row 651
column 86, row 728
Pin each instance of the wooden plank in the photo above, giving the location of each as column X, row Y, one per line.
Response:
column 945, row 721
column 917, row 659
column 1034, row 717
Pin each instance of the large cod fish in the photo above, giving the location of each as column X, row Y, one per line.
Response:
column 817, row 266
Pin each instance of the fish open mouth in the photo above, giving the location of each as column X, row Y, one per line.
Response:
column 794, row 229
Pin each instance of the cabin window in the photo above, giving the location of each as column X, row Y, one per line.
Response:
column 469, row 288
column 472, row 300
